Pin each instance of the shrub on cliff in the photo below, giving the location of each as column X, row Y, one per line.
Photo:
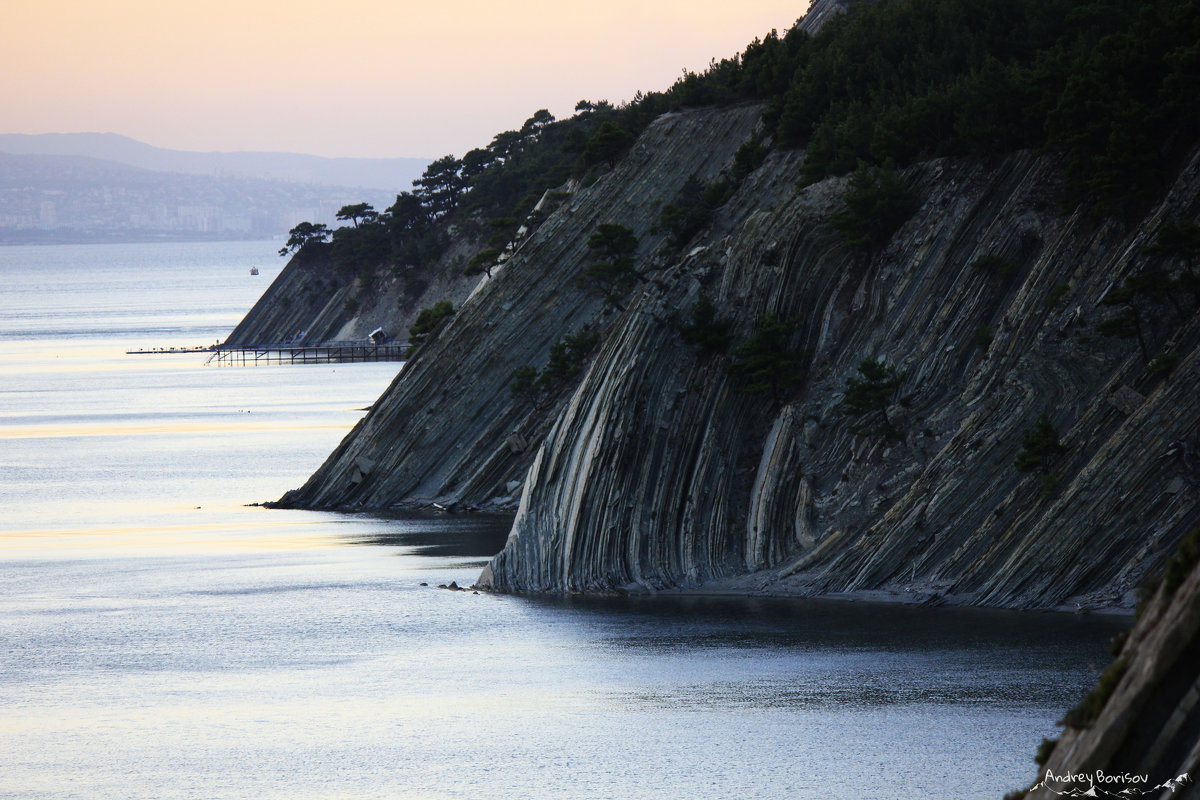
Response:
column 428, row 321
column 868, row 397
column 615, row 275
column 877, row 202
column 1180, row 565
column 749, row 157
column 692, row 208
column 567, row 357
column 1180, row 240
column 522, row 382
column 1089, row 708
column 767, row 363
column 704, row 329
column 1137, row 299
column 483, row 261
column 1039, row 447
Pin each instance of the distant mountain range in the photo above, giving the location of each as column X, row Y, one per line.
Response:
column 389, row 174
column 104, row 187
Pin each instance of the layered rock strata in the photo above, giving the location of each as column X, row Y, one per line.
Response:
column 310, row 302
column 659, row 474
column 448, row 431
column 656, row 472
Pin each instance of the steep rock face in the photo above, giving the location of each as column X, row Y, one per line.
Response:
column 1150, row 724
column 448, row 430
column 821, row 11
column 309, row 297
column 658, row 473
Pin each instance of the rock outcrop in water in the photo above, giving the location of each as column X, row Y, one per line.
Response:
column 655, row 472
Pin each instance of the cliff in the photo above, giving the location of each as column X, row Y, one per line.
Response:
column 655, row 472
column 1143, row 719
column 311, row 297
column 450, row 432
column 658, row 474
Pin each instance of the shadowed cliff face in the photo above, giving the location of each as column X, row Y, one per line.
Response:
column 312, row 297
column 448, row 430
column 656, row 472
column 1150, row 723
column 659, row 474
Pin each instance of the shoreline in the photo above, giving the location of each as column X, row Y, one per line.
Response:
column 747, row 585
column 729, row 588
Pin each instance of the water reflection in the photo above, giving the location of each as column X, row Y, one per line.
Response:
column 760, row 621
column 474, row 538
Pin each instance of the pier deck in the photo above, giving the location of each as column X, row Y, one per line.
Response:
column 337, row 353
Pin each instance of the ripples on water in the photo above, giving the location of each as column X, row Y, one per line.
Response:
column 161, row 639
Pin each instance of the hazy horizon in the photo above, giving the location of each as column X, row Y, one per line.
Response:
column 391, row 80
column 63, row 151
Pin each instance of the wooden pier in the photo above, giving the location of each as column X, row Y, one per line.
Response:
column 335, row 353
column 170, row 351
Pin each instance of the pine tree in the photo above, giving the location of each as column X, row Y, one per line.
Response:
column 766, row 363
column 1039, row 447
column 869, row 397
column 615, row 275
column 705, row 329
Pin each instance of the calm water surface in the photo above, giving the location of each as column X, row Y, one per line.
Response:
column 159, row 638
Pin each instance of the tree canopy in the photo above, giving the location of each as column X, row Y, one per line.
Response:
column 868, row 397
column 357, row 211
column 1040, row 446
column 303, row 234
column 766, row 363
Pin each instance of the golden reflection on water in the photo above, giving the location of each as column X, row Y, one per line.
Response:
column 208, row 538
column 80, row 357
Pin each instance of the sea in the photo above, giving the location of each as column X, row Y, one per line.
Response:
column 162, row 636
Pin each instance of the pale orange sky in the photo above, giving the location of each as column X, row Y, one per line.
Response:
column 366, row 78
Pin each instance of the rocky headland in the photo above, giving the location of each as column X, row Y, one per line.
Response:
column 998, row 315
column 655, row 472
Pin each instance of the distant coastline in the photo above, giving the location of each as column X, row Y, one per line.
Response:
column 15, row 238
column 89, row 188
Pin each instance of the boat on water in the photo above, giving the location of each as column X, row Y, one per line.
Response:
column 254, row 270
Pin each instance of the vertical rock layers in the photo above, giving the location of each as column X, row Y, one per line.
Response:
column 448, row 430
column 656, row 472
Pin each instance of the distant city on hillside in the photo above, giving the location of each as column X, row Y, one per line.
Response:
column 116, row 189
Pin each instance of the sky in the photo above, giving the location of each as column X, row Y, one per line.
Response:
column 371, row 78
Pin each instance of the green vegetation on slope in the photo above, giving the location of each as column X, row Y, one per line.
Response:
column 1110, row 84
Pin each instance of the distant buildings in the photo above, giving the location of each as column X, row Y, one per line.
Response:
column 50, row 198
